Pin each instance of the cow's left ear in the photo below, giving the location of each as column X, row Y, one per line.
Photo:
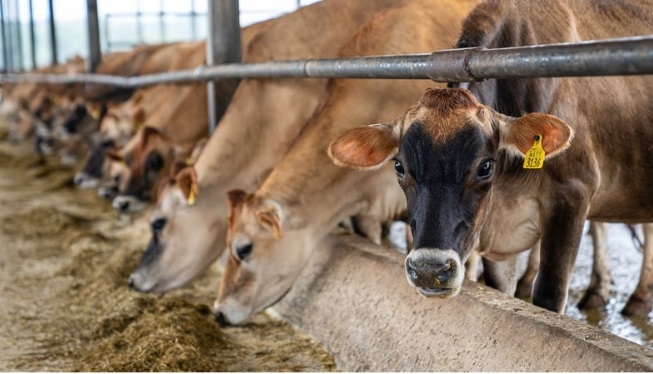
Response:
column 187, row 183
column 236, row 199
column 271, row 215
column 519, row 133
column 365, row 148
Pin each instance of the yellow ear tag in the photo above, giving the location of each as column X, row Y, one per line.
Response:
column 534, row 158
column 95, row 114
column 191, row 197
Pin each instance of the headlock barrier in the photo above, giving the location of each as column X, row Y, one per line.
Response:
column 622, row 56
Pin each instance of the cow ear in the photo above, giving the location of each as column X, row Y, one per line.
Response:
column 149, row 132
column 519, row 134
column 187, row 183
column 139, row 118
column 236, row 198
column 365, row 148
column 270, row 216
column 112, row 154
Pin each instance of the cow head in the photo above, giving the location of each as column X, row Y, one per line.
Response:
column 446, row 150
column 266, row 255
column 148, row 160
column 114, row 172
column 93, row 170
column 183, row 220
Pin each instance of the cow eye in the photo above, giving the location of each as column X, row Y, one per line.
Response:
column 107, row 143
column 242, row 252
column 158, row 224
column 485, row 169
column 154, row 162
column 399, row 167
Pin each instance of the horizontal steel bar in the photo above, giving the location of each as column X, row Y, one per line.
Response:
column 625, row 56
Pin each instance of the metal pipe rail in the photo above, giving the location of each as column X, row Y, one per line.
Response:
column 623, row 56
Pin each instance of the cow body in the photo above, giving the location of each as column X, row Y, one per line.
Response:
column 461, row 162
column 252, row 136
column 306, row 196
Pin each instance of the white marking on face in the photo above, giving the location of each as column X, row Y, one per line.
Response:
column 128, row 204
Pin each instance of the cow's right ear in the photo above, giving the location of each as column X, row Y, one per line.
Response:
column 139, row 118
column 365, row 148
column 113, row 155
column 187, row 182
column 236, row 198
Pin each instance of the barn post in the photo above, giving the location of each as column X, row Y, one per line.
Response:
column 19, row 36
column 5, row 49
column 222, row 46
column 32, row 36
column 93, row 24
column 53, row 34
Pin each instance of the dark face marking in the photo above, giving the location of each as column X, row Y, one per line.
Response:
column 95, row 162
column 142, row 183
column 152, row 253
column 446, row 185
column 75, row 117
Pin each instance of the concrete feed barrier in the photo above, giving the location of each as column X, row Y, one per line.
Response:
column 354, row 298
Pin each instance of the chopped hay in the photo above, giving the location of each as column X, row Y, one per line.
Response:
column 67, row 306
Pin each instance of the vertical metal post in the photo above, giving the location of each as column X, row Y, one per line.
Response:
column 162, row 26
column 193, row 20
column 94, row 50
column 53, row 35
column 5, row 50
column 107, row 37
column 139, row 23
column 32, row 36
column 222, row 46
column 10, row 37
column 19, row 36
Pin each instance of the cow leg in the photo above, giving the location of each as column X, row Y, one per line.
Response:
column 471, row 266
column 501, row 275
column 639, row 303
column 560, row 238
column 598, row 292
column 369, row 227
column 525, row 285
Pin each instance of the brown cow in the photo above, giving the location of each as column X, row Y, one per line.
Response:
column 273, row 232
column 188, row 230
column 461, row 163
column 124, row 119
column 181, row 121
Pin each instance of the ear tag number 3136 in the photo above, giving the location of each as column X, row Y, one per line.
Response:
column 534, row 158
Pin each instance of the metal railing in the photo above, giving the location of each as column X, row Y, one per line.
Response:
column 623, row 56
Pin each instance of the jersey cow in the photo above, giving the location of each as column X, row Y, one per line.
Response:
column 189, row 222
column 273, row 232
column 466, row 167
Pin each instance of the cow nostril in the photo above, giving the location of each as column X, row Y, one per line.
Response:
column 410, row 269
column 130, row 281
column 124, row 205
column 219, row 318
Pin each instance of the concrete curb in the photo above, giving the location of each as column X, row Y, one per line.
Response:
column 354, row 299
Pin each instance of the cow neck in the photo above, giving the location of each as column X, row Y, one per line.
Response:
column 306, row 180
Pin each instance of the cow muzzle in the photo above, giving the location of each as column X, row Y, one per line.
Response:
column 85, row 181
column 435, row 272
